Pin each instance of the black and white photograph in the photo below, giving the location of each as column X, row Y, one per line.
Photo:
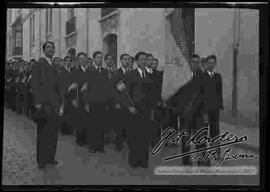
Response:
column 131, row 95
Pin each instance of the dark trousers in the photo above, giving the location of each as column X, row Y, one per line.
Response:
column 95, row 130
column 47, row 139
column 122, row 121
column 139, row 138
column 192, row 124
column 67, row 128
column 81, row 137
column 13, row 98
column 156, row 125
column 110, row 123
column 82, row 122
column 29, row 104
column 213, row 118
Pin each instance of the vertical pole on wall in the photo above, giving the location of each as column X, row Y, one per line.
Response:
column 60, row 37
column 235, row 60
column 40, row 33
column 87, row 31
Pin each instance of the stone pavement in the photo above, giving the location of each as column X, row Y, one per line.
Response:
column 78, row 167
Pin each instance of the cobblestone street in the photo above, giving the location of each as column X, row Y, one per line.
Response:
column 77, row 166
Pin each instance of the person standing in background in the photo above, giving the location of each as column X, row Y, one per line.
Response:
column 213, row 96
column 121, row 102
column 95, row 100
column 157, row 109
column 81, row 117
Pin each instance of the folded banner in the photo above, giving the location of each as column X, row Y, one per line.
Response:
column 177, row 71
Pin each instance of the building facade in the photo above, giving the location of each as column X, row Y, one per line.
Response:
column 129, row 30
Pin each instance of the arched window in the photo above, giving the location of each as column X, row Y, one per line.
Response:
column 110, row 46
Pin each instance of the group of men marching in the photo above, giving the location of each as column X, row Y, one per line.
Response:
column 91, row 101
column 18, row 94
column 80, row 97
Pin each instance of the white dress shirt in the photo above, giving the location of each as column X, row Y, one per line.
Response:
column 211, row 74
column 141, row 72
column 83, row 69
column 67, row 68
column 123, row 70
column 49, row 60
column 149, row 70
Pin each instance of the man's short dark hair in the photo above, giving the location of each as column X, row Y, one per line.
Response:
column 81, row 53
column 32, row 60
column 156, row 59
column 195, row 56
column 67, row 57
column 107, row 55
column 90, row 58
column 123, row 55
column 132, row 58
column 47, row 42
column 96, row 52
column 56, row 58
column 211, row 57
column 139, row 54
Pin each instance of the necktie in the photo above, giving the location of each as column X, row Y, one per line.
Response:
column 110, row 75
column 143, row 73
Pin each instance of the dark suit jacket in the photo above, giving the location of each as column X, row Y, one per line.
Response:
column 140, row 89
column 213, row 92
column 119, row 97
column 45, row 85
column 157, row 85
column 97, row 86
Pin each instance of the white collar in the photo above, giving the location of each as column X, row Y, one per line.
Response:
column 96, row 67
column 67, row 68
column 48, row 59
column 83, row 68
column 211, row 73
column 123, row 70
column 149, row 70
column 140, row 71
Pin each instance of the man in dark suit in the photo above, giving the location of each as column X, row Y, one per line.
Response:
column 139, row 84
column 213, row 95
column 121, row 101
column 44, row 86
column 190, row 106
column 110, row 108
column 96, row 99
column 81, row 117
column 157, row 110
column 66, row 81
